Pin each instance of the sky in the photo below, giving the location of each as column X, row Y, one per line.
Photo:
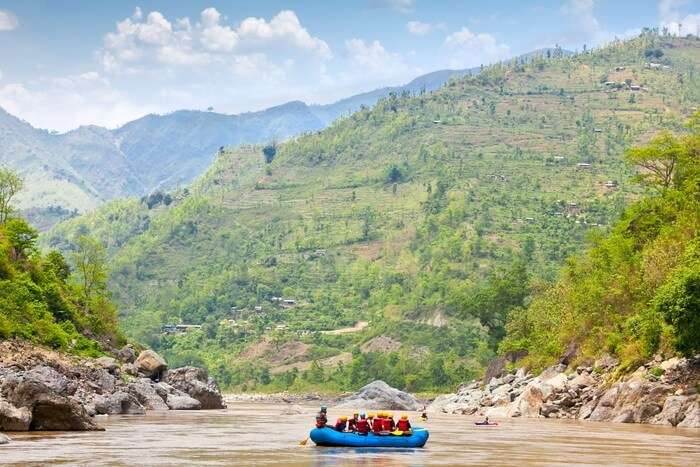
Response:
column 71, row 63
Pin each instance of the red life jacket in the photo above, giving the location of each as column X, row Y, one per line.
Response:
column 340, row 425
column 377, row 424
column 387, row 424
column 352, row 424
column 403, row 425
column 363, row 426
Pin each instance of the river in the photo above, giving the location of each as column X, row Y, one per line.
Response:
column 257, row 434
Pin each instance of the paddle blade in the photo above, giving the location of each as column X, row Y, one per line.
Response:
column 304, row 441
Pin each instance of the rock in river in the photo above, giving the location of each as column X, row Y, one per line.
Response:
column 196, row 383
column 150, row 364
column 379, row 395
column 4, row 439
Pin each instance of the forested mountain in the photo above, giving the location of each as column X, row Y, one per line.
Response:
column 428, row 216
column 79, row 170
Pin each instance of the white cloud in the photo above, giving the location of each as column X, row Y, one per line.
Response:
column 402, row 6
column 673, row 21
column 470, row 49
column 419, row 28
column 373, row 57
column 179, row 43
column 67, row 102
column 8, row 21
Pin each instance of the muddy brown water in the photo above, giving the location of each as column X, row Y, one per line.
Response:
column 261, row 434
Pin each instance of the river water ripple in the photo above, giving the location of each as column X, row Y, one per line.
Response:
column 256, row 434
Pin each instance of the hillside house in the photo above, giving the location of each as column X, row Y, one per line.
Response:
column 584, row 166
column 597, row 130
column 619, row 68
column 288, row 303
column 179, row 328
column 611, row 184
column 559, row 158
column 258, row 309
column 635, row 87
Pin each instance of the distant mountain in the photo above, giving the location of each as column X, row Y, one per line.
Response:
column 81, row 169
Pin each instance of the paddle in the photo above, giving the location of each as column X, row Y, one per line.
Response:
column 304, row 441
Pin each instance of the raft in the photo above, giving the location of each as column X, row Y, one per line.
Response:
column 330, row 437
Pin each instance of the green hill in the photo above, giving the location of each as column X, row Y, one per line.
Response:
column 430, row 216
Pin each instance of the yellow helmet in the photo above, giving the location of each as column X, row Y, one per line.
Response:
column 370, row 415
column 344, row 418
column 390, row 415
column 404, row 417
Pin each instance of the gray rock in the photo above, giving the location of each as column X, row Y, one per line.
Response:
column 58, row 413
column 4, row 439
column 108, row 363
column 151, row 364
column 196, row 383
column 182, row 402
column 692, row 416
column 581, row 381
column 625, row 417
column 127, row 354
column 606, row 362
column 379, row 395
column 645, row 411
column 118, row 403
column 102, row 381
column 547, row 409
column 130, row 369
column 674, row 410
column 13, row 418
column 144, row 390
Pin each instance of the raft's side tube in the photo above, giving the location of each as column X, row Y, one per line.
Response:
column 330, row 437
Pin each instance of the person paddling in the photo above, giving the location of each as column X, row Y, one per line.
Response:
column 322, row 418
column 352, row 422
column 404, row 425
column 388, row 424
column 341, row 424
column 363, row 426
column 377, row 424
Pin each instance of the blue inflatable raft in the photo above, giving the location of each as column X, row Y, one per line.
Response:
column 330, row 437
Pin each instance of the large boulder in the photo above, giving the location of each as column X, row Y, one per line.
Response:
column 692, row 416
column 379, row 395
column 151, row 364
column 51, row 412
column 674, row 410
column 182, row 402
column 145, row 392
column 196, row 383
column 118, row 403
column 13, row 418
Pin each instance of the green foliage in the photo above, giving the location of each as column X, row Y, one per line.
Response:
column 636, row 291
column 429, row 216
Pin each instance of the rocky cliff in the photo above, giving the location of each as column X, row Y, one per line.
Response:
column 42, row 389
column 660, row 392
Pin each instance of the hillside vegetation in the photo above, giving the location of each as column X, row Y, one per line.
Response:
column 636, row 292
column 430, row 216
column 41, row 299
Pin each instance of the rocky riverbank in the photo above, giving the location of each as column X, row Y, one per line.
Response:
column 660, row 392
column 42, row 389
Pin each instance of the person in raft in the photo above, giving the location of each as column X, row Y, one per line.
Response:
column 341, row 424
column 404, row 425
column 378, row 423
column 363, row 426
column 352, row 422
column 322, row 418
column 389, row 424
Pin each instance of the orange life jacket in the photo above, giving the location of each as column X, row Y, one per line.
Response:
column 403, row 425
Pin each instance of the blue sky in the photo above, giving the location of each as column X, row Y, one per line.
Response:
column 63, row 64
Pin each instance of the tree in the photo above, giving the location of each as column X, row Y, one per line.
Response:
column 10, row 185
column 658, row 161
column 678, row 302
column 90, row 263
column 270, row 151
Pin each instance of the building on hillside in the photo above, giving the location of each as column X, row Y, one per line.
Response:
column 619, row 68
column 584, row 166
column 288, row 303
column 258, row 309
column 635, row 87
column 611, row 184
column 179, row 328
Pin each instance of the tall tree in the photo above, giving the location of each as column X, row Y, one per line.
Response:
column 10, row 185
column 90, row 263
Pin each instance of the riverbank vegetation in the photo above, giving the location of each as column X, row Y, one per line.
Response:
column 42, row 300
